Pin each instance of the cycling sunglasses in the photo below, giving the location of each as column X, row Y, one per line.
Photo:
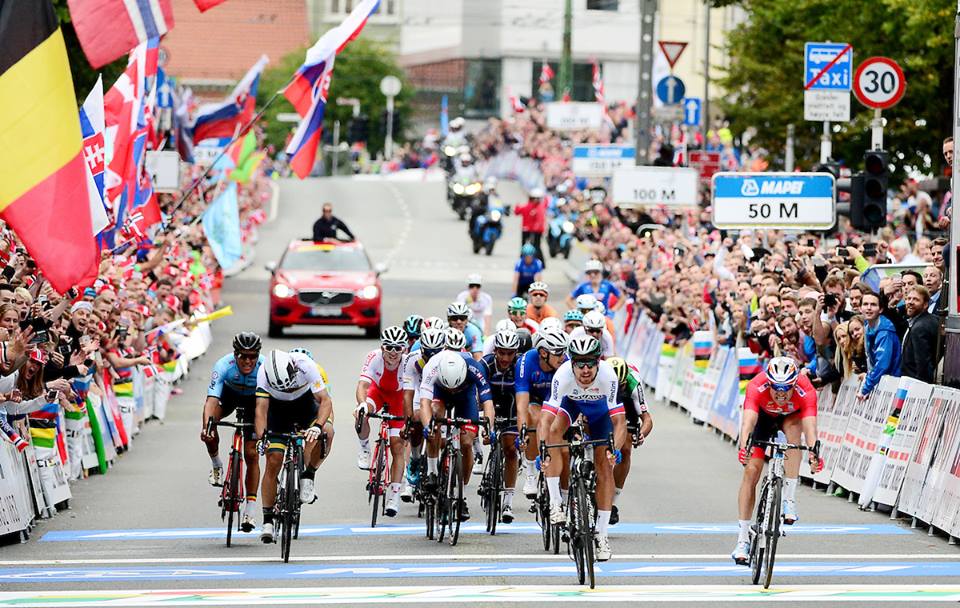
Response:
column 781, row 388
column 586, row 363
column 456, row 318
column 393, row 348
column 246, row 356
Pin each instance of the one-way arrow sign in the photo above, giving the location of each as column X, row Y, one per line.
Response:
column 672, row 50
column 691, row 111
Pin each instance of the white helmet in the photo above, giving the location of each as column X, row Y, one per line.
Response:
column 490, row 184
column 455, row 339
column 457, row 123
column 452, row 369
column 506, row 340
column 433, row 338
column 782, row 373
column 600, row 308
column 537, row 193
column 474, row 279
column 393, row 336
column 551, row 323
column 458, row 309
column 594, row 320
column 593, row 265
column 503, row 324
column 281, row 371
column 538, row 286
column 552, row 340
column 586, row 302
column 434, row 323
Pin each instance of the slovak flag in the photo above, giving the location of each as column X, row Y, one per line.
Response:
column 598, row 91
column 308, row 89
column 94, row 152
column 222, row 119
column 546, row 73
column 107, row 29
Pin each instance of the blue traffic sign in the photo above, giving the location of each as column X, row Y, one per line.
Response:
column 691, row 111
column 670, row 90
column 827, row 66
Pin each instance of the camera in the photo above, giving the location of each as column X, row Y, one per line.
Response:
column 829, row 300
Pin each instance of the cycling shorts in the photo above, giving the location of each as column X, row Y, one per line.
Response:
column 463, row 405
column 767, row 428
column 393, row 400
column 597, row 415
column 289, row 416
column 244, row 405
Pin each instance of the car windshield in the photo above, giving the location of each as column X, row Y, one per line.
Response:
column 325, row 258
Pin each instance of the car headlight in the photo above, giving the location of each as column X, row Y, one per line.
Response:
column 283, row 291
column 369, row 292
column 568, row 227
column 494, row 216
column 458, row 188
column 474, row 189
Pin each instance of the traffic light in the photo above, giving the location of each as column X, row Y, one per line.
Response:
column 868, row 201
column 359, row 129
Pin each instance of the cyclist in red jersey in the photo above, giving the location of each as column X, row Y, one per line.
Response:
column 778, row 399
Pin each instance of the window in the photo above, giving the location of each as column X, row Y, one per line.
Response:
column 481, row 91
column 582, row 82
column 602, row 5
column 343, row 7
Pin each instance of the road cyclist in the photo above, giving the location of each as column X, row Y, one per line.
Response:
column 639, row 423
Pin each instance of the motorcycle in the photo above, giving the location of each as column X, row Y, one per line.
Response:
column 462, row 194
column 560, row 236
column 488, row 228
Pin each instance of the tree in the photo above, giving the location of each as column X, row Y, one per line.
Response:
column 357, row 73
column 763, row 80
column 84, row 76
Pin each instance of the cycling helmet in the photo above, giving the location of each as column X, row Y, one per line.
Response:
column 551, row 323
column 537, row 193
column 552, row 340
column 474, row 279
column 573, row 315
column 281, row 371
column 433, row 338
column 490, row 184
column 458, row 309
column 393, row 336
column 600, row 308
column 503, row 324
column 413, row 326
column 620, row 368
column 782, row 373
column 517, row 305
column 507, row 340
column 246, row 340
column 302, row 351
column 586, row 347
column 455, row 339
column 593, row 265
column 586, row 302
column 452, row 370
column 434, row 323
column 525, row 338
column 594, row 320
column 528, row 249
column 538, row 286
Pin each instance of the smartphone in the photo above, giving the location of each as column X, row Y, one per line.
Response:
column 811, row 243
column 829, row 300
column 870, row 250
column 51, row 396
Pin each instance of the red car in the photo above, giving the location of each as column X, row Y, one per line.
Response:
column 325, row 283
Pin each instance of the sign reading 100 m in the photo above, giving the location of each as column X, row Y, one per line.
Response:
column 798, row 201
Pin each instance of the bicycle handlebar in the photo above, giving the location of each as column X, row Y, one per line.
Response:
column 577, row 442
column 387, row 417
column 783, row 447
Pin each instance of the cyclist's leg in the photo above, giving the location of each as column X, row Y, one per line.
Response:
column 511, row 461
column 278, row 421
column 433, row 442
column 251, row 457
column 466, row 406
column 555, row 421
column 791, row 465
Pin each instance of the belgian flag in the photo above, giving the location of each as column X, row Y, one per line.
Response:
column 43, row 187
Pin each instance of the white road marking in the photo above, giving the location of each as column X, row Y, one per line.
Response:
column 410, row 594
column 407, row 222
column 380, row 557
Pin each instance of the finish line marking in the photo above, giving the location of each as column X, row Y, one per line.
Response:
column 417, row 529
column 819, row 594
column 462, row 557
column 497, row 570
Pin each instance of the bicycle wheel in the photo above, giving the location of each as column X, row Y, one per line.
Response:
column 773, row 530
column 442, row 506
column 587, row 531
column 758, row 534
column 231, row 493
column 542, row 505
column 575, row 532
column 429, row 516
column 377, row 481
column 456, row 497
column 488, row 492
column 290, row 506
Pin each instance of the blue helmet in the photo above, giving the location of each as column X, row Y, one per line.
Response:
column 528, row 249
column 573, row 315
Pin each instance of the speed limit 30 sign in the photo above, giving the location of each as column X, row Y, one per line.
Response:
column 879, row 83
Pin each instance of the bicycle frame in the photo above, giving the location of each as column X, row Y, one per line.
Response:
column 450, row 489
column 377, row 479
column 232, row 494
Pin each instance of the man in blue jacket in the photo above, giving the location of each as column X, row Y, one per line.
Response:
column 882, row 345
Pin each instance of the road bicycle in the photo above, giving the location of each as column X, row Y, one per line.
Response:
column 491, row 484
column 287, row 508
column 377, row 482
column 765, row 530
column 232, row 494
column 448, row 503
column 540, row 506
column 580, row 529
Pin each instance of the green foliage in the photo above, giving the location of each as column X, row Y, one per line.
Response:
column 356, row 73
column 84, row 76
column 763, row 81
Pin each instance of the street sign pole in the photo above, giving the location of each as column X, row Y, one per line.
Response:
column 648, row 14
column 826, row 145
column 876, row 130
column 388, row 140
column 788, row 155
column 336, row 146
column 951, row 355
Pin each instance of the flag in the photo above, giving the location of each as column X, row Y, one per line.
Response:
column 444, row 117
column 107, row 29
column 546, row 73
column 221, row 225
column 222, row 119
column 308, row 89
column 598, row 92
column 43, row 182
column 244, row 172
column 181, row 127
column 94, row 153
column 122, row 105
column 515, row 104
column 205, row 5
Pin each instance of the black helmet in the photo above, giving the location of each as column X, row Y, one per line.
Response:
column 413, row 326
column 246, row 340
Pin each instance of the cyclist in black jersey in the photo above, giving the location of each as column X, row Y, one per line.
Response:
column 498, row 368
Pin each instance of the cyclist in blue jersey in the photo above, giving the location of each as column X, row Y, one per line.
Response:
column 458, row 315
column 599, row 288
column 527, row 270
column 533, row 375
column 499, row 369
column 413, row 325
column 233, row 386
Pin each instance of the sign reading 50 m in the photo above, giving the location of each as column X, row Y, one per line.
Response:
column 797, row 201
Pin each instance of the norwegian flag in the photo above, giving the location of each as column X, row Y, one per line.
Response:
column 598, row 92
column 546, row 73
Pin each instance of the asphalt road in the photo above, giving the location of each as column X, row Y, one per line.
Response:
column 149, row 532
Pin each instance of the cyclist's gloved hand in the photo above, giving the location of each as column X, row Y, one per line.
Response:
column 617, row 456
column 743, row 456
column 537, row 463
column 492, row 434
column 816, row 463
column 516, row 442
column 361, row 410
column 262, row 446
column 313, row 433
column 426, row 433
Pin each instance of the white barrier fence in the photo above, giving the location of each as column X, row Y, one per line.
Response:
column 900, row 447
column 63, row 445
